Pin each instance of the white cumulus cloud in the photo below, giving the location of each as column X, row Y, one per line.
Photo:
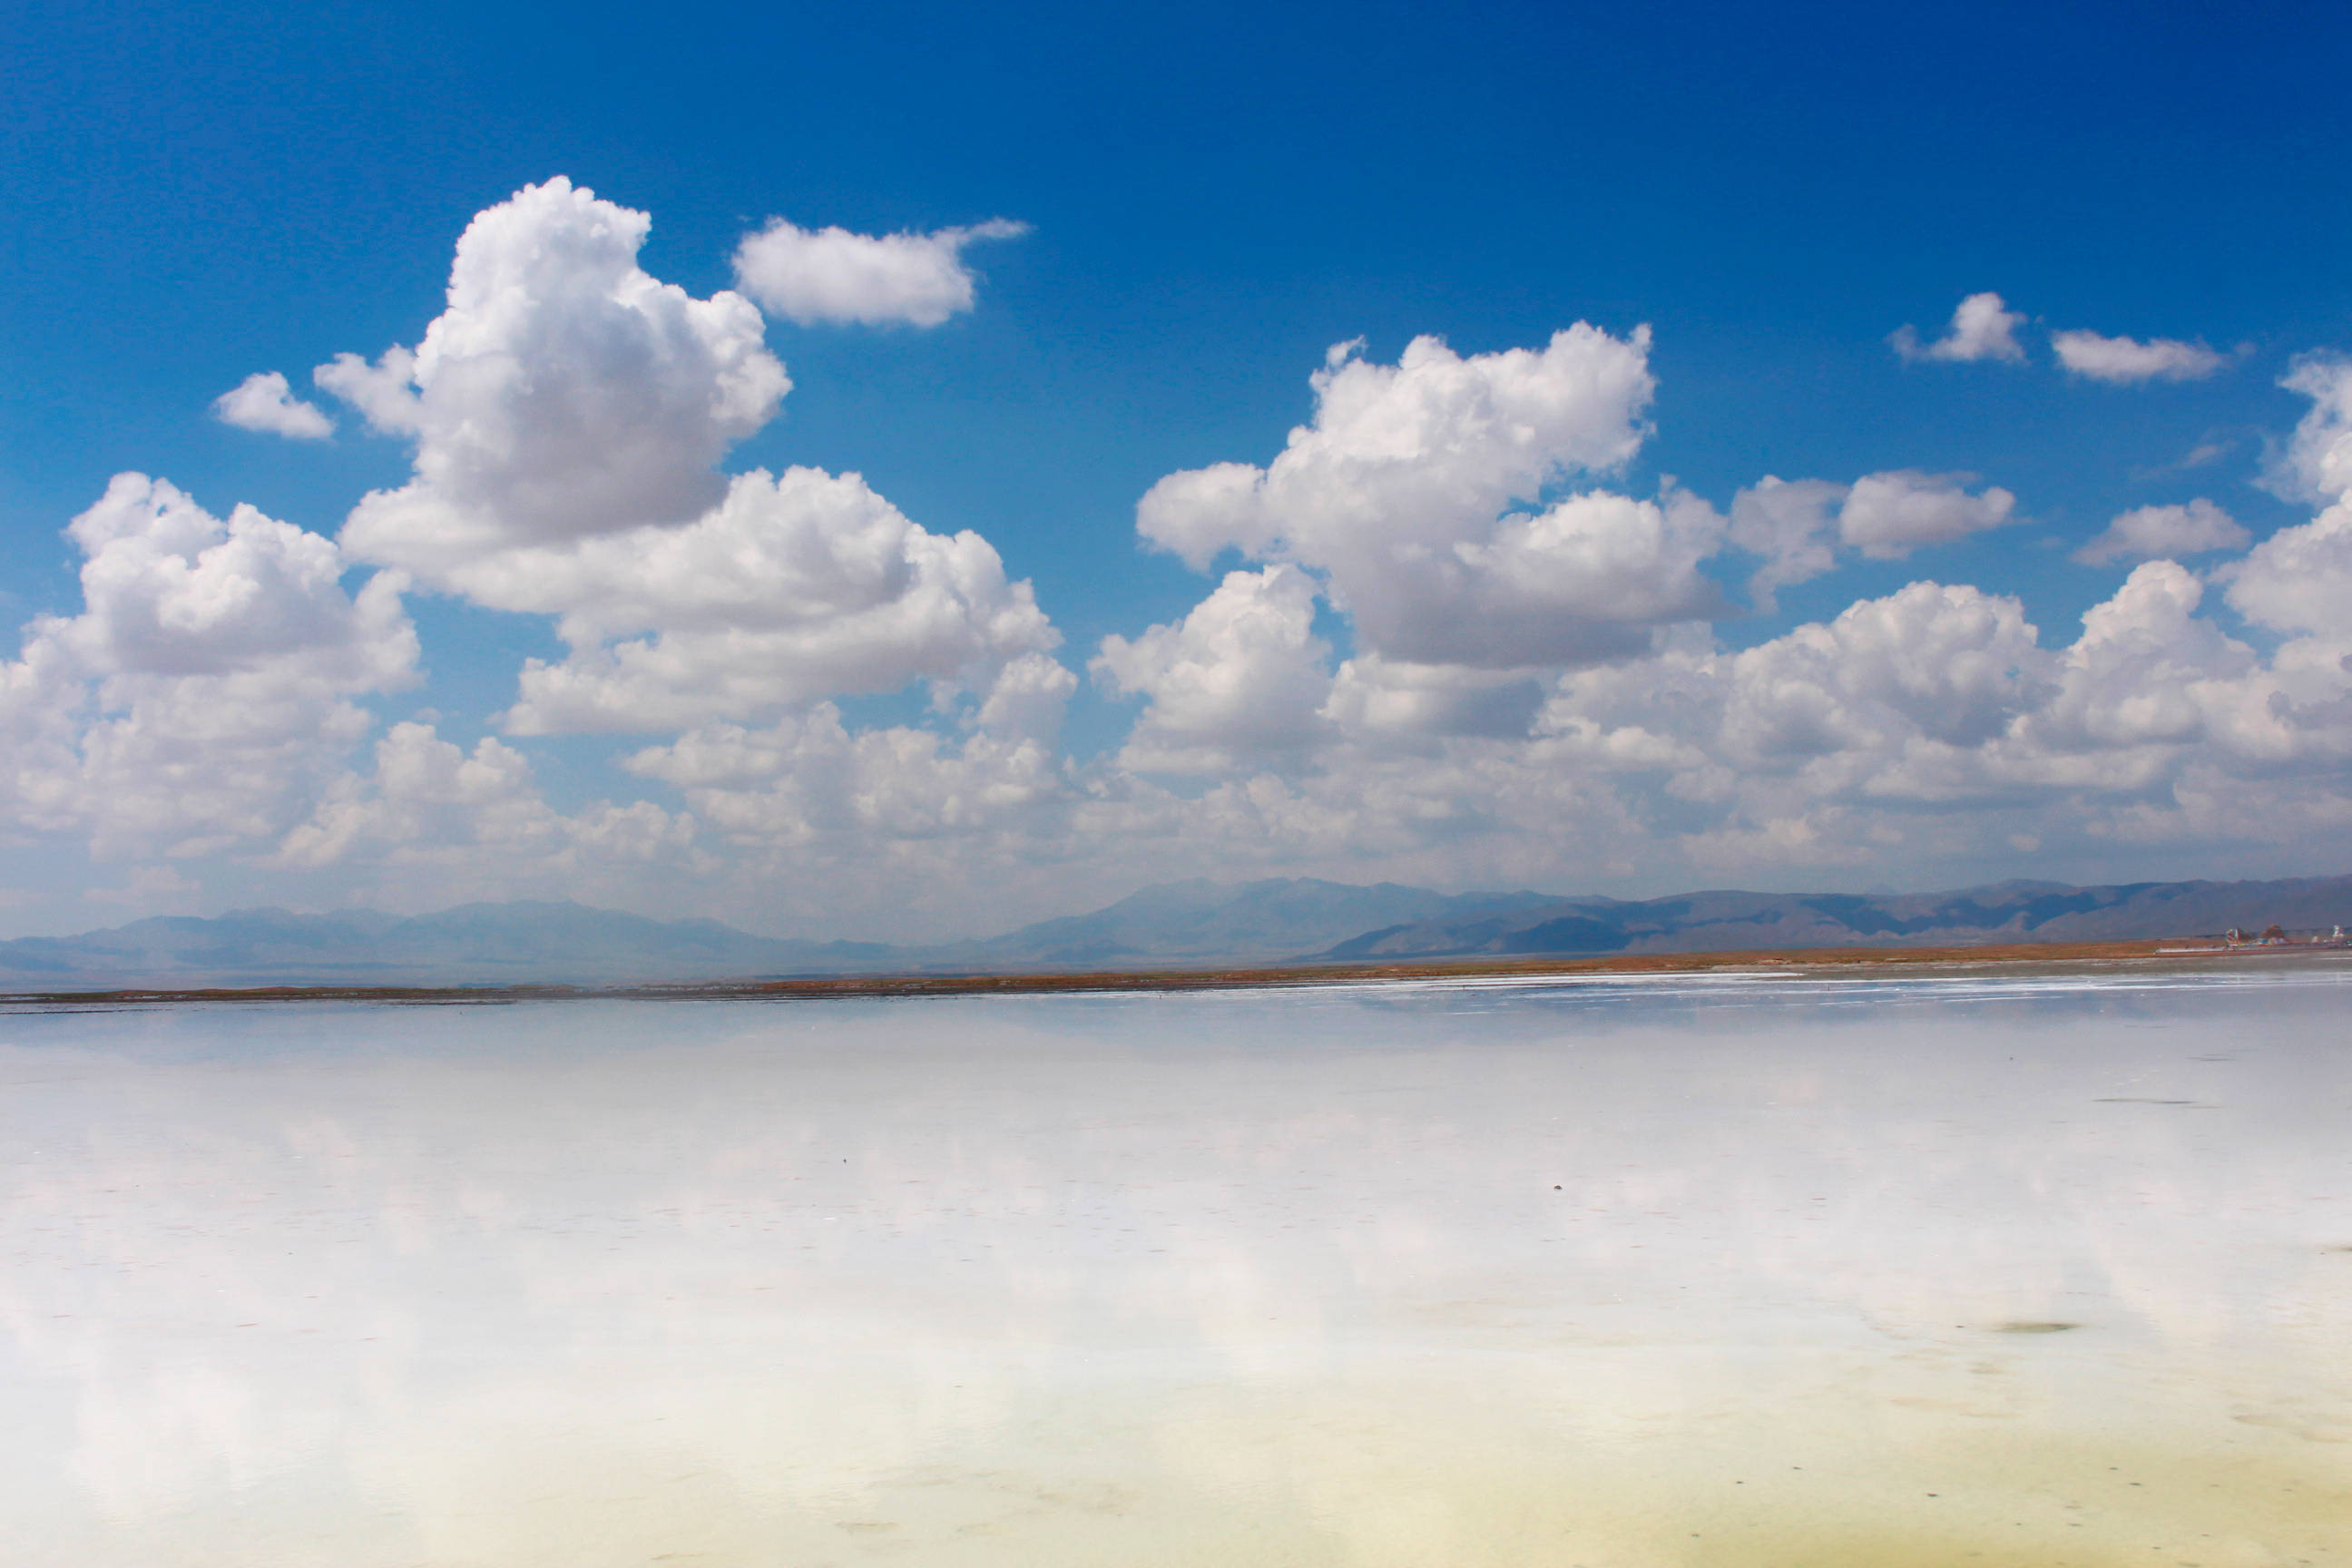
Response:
column 2125, row 360
column 2146, row 669
column 1887, row 516
column 1426, row 452
column 476, row 818
column 1788, row 523
column 1949, row 662
column 1530, row 694
column 2317, row 464
column 2154, row 532
column 1238, row 681
column 569, row 411
column 809, row 786
column 1926, row 734
column 1982, row 328
column 2300, row 578
column 263, row 402
column 1399, row 494
column 796, row 587
column 205, row 687
column 564, row 392
column 1373, row 697
column 1027, row 699
column 830, row 274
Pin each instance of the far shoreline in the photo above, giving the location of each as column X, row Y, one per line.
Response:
column 1860, row 960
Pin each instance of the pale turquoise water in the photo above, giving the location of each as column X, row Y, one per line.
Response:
column 1725, row 1271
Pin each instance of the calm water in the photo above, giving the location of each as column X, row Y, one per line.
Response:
column 1738, row 1271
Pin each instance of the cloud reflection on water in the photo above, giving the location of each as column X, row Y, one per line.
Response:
column 1667, row 1273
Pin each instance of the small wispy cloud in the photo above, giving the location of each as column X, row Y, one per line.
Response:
column 2209, row 450
column 264, row 402
column 1982, row 328
column 2164, row 532
column 2125, row 360
column 831, row 275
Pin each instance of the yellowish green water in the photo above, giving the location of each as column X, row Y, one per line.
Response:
column 1736, row 1271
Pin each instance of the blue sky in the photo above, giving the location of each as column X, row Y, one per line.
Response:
column 1213, row 198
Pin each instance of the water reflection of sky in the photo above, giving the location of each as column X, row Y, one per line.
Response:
column 1736, row 1268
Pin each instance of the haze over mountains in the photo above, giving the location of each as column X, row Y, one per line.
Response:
column 1734, row 921
column 1195, row 922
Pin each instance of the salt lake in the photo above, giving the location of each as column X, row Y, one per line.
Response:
column 1988, row 1268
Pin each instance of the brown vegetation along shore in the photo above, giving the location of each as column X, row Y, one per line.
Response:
column 2005, row 956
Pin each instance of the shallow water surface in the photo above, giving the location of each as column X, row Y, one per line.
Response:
column 1708, row 1271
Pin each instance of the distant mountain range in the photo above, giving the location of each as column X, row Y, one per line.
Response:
column 1201, row 922
column 511, row 943
column 2003, row 912
column 1280, row 921
column 526, row 942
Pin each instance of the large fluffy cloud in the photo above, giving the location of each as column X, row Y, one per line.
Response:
column 562, row 394
column 1419, row 501
column 477, row 816
column 1439, row 644
column 204, row 690
column 568, row 411
column 1386, row 702
column 1934, row 731
column 2146, row 672
column 2317, row 464
column 796, row 587
column 569, row 415
column 1408, row 460
column 1935, row 725
column 832, row 275
column 2300, row 578
column 809, row 786
column 1400, row 497
column 1239, row 681
column 1950, row 664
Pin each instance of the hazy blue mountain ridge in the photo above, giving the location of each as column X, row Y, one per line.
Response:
column 1728, row 922
column 560, row 942
column 1275, row 921
column 1203, row 920
column 520, row 942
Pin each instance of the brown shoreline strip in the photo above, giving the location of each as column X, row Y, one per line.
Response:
column 1149, row 980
